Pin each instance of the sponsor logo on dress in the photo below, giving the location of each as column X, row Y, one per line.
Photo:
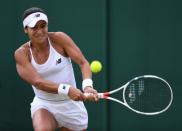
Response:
column 58, row 61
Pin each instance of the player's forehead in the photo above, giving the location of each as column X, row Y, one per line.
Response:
column 40, row 23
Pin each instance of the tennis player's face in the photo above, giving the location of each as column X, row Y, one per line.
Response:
column 39, row 32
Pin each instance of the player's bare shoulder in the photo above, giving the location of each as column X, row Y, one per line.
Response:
column 22, row 51
column 58, row 34
column 60, row 38
column 59, row 42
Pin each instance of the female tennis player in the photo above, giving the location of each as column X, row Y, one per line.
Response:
column 45, row 63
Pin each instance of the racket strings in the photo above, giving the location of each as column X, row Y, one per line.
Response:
column 147, row 95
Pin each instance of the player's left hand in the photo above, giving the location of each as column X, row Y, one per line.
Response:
column 93, row 92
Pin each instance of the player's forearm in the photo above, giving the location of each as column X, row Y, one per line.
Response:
column 47, row 86
column 85, row 69
column 61, row 88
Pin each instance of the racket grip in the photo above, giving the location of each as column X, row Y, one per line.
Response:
column 100, row 95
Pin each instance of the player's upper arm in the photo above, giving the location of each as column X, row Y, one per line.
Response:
column 24, row 67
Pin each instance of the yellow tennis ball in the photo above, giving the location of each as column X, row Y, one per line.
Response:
column 96, row 66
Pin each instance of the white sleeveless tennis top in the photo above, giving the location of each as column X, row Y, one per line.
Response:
column 57, row 69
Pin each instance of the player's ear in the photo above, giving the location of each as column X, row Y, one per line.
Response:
column 25, row 30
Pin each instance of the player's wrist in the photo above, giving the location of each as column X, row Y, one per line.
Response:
column 87, row 83
column 63, row 89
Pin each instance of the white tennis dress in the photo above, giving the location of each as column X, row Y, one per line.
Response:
column 68, row 113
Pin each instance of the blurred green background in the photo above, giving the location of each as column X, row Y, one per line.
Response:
column 129, row 37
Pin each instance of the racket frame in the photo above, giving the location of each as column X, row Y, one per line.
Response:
column 106, row 95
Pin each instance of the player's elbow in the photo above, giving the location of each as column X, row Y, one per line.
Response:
column 84, row 63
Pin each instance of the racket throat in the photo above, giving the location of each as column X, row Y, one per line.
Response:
column 105, row 95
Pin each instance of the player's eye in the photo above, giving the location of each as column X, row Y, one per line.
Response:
column 43, row 25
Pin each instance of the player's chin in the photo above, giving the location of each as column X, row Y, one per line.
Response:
column 41, row 39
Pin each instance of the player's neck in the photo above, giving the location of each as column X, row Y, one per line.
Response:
column 40, row 46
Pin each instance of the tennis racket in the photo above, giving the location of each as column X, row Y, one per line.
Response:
column 146, row 95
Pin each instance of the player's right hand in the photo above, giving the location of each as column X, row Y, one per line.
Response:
column 93, row 95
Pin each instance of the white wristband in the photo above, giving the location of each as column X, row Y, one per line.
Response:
column 87, row 82
column 63, row 89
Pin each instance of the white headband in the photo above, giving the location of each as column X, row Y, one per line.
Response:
column 33, row 18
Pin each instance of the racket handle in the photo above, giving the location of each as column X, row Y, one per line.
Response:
column 100, row 95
